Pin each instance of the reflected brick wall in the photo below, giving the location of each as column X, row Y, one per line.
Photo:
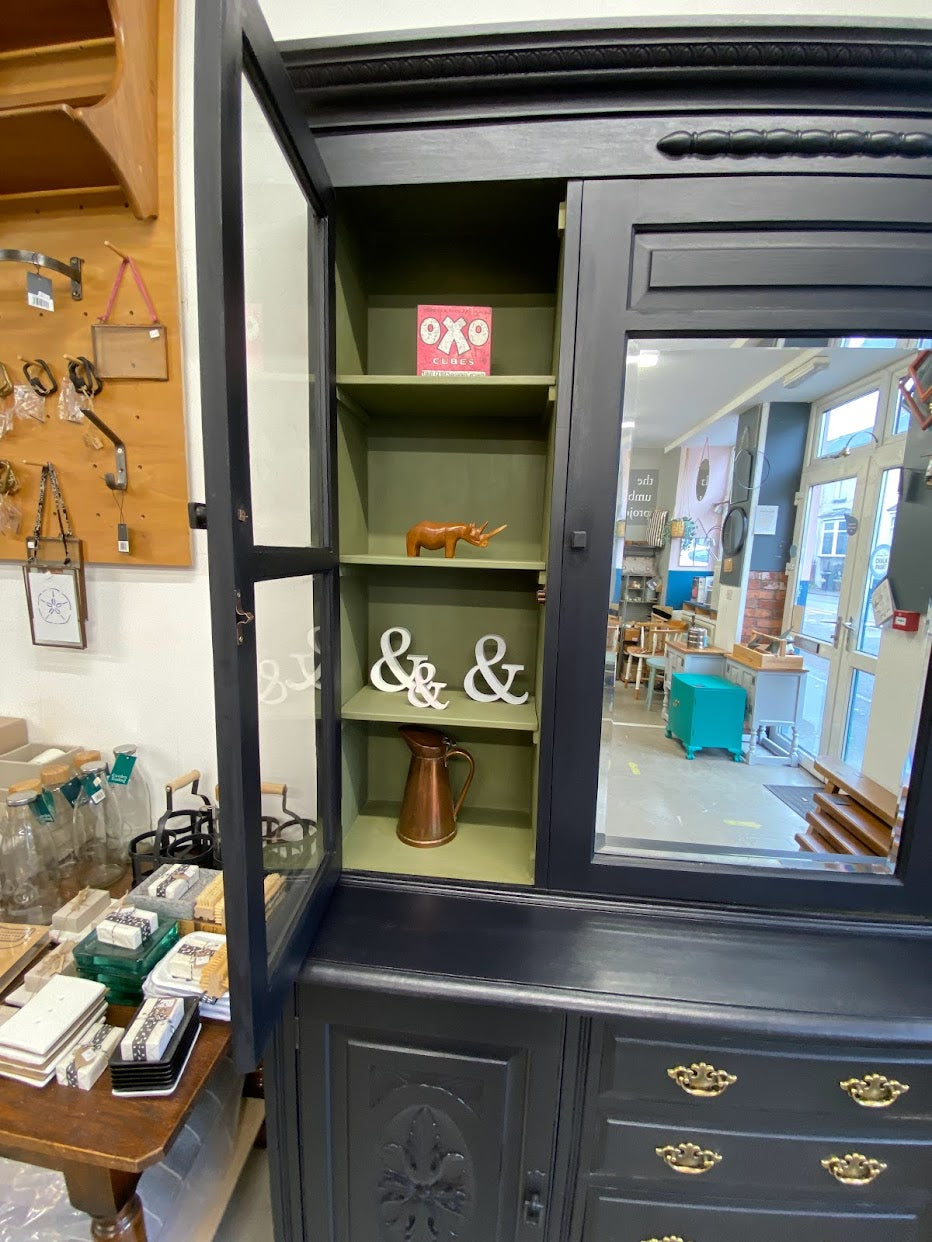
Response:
column 766, row 597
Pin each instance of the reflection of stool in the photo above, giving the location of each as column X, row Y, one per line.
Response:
column 707, row 711
column 655, row 665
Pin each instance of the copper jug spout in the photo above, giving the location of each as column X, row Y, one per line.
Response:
column 428, row 813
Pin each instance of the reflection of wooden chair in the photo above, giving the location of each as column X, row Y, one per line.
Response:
column 651, row 648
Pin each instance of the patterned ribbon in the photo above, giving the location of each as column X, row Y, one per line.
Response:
column 179, row 873
column 84, row 1051
column 131, row 920
column 201, row 954
column 161, row 1012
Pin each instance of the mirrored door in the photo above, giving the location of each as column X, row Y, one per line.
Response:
column 730, row 484
column 265, row 267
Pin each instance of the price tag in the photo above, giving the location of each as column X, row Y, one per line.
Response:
column 39, row 292
column 71, row 789
column 122, row 769
column 94, row 789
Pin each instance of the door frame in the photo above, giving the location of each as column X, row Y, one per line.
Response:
column 233, row 42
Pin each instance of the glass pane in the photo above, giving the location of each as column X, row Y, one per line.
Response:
column 902, row 415
column 288, row 665
column 879, row 559
column 279, row 251
column 701, row 745
column 823, row 549
column 859, row 711
column 813, row 713
column 848, row 425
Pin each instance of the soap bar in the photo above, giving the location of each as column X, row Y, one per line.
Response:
column 127, row 927
column 151, row 1030
column 82, row 911
column 85, row 1064
column 175, row 883
column 189, row 959
column 59, row 961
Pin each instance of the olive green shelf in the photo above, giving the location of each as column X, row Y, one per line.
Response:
column 500, row 396
column 463, row 712
column 440, row 562
column 490, row 846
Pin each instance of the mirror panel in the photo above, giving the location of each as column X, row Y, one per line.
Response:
column 761, row 699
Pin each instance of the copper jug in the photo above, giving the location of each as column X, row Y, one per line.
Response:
column 428, row 814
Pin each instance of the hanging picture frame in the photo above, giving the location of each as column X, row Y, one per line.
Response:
column 54, row 597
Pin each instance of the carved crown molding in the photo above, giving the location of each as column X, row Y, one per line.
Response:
column 805, row 143
column 364, row 79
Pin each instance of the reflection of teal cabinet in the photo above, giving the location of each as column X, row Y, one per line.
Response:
column 706, row 712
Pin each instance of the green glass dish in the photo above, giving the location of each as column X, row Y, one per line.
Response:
column 109, row 963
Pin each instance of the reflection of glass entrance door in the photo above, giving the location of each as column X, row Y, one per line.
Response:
column 843, row 553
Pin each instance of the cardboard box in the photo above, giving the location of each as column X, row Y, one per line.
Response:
column 454, row 340
column 13, row 733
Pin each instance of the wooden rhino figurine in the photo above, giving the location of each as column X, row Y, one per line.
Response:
column 434, row 535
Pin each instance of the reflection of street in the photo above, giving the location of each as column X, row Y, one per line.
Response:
column 810, row 729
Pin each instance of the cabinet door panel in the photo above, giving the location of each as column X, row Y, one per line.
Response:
column 443, row 1119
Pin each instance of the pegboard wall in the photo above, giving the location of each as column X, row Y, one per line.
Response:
column 148, row 415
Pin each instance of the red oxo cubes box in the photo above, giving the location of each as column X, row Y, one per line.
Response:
column 454, row 340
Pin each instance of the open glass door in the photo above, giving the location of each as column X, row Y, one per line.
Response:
column 265, row 288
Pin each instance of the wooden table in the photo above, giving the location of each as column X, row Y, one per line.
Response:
column 101, row 1142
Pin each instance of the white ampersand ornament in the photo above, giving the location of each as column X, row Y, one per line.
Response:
column 421, row 688
column 499, row 689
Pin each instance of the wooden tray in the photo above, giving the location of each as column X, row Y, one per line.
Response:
column 763, row 659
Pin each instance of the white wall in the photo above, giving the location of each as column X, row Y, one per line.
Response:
column 147, row 673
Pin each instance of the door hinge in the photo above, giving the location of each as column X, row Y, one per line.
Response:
column 243, row 618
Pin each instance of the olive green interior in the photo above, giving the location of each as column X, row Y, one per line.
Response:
column 461, row 449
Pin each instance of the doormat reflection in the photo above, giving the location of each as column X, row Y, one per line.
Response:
column 798, row 798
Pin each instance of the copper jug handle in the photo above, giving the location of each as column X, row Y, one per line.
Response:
column 458, row 752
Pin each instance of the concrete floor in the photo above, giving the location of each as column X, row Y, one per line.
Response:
column 248, row 1217
column 652, row 797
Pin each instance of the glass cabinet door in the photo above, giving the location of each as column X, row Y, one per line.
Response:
column 738, row 485
column 265, row 289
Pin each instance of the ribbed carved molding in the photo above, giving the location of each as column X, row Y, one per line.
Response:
column 806, row 143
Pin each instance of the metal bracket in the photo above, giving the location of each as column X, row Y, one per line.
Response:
column 120, row 481
column 72, row 268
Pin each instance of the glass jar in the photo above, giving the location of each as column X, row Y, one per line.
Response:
column 103, row 856
column 128, row 787
column 59, row 787
column 29, row 867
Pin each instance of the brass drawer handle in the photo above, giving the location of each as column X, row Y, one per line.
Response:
column 853, row 1169
column 874, row 1090
column 688, row 1157
column 701, row 1079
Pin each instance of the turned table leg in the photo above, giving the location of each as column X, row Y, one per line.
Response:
column 109, row 1198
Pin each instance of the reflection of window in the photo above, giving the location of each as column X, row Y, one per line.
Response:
column 901, row 418
column 843, row 423
column 834, row 537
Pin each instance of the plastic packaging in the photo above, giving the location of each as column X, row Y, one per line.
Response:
column 6, row 415
column 10, row 516
column 27, row 403
column 70, row 402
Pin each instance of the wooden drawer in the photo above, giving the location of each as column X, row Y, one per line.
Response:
column 620, row 1217
column 773, row 1080
column 749, row 1159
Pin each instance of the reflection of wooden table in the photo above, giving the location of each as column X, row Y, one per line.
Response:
column 100, row 1142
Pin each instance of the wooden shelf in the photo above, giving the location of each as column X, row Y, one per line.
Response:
column 441, row 562
column 463, row 712
column 82, row 126
column 491, row 846
column 499, row 396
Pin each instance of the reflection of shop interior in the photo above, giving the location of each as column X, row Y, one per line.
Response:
column 799, row 449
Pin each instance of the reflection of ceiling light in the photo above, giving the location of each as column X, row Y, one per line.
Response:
column 647, row 358
column 627, row 424
column 812, row 366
